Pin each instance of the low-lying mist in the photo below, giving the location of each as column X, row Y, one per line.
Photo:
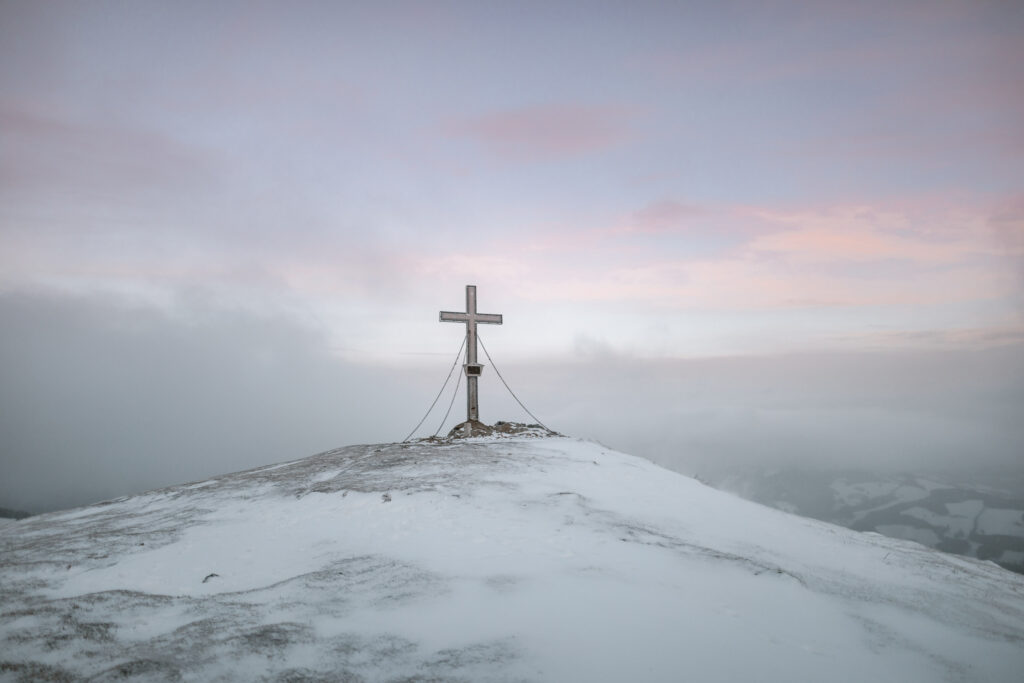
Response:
column 100, row 399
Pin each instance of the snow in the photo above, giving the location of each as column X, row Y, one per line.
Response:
column 494, row 559
column 858, row 493
column 1014, row 556
column 958, row 524
column 1004, row 522
column 889, row 494
column 963, row 518
column 925, row 537
column 931, row 486
column 966, row 508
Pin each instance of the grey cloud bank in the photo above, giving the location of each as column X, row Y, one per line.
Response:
column 100, row 398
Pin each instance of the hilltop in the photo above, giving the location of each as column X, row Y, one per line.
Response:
column 503, row 558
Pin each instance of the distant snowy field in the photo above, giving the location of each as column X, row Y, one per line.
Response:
column 497, row 559
column 958, row 517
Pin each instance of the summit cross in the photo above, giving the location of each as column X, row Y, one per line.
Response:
column 472, row 368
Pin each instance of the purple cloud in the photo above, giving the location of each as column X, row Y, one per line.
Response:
column 545, row 132
column 49, row 153
column 663, row 215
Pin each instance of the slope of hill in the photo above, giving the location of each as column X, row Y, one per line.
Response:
column 7, row 513
column 965, row 519
column 494, row 559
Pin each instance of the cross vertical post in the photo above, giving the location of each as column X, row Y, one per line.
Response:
column 471, row 368
column 472, row 405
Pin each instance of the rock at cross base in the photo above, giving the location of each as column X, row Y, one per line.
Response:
column 474, row 428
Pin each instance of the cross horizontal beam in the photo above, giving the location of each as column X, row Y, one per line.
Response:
column 455, row 317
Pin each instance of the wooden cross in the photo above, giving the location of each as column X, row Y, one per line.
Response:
column 472, row 368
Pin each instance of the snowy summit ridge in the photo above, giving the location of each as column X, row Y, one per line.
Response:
column 502, row 558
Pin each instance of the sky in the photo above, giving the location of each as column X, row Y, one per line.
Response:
column 715, row 230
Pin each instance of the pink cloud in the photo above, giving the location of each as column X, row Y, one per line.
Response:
column 663, row 215
column 1007, row 225
column 847, row 255
column 50, row 154
column 753, row 284
column 545, row 132
column 1007, row 222
column 999, row 333
column 935, row 235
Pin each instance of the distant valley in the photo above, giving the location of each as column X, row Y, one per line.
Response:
column 977, row 521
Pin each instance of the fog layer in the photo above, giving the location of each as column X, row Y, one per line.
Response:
column 101, row 399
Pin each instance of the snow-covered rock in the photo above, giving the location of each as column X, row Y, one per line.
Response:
column 494, row 559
